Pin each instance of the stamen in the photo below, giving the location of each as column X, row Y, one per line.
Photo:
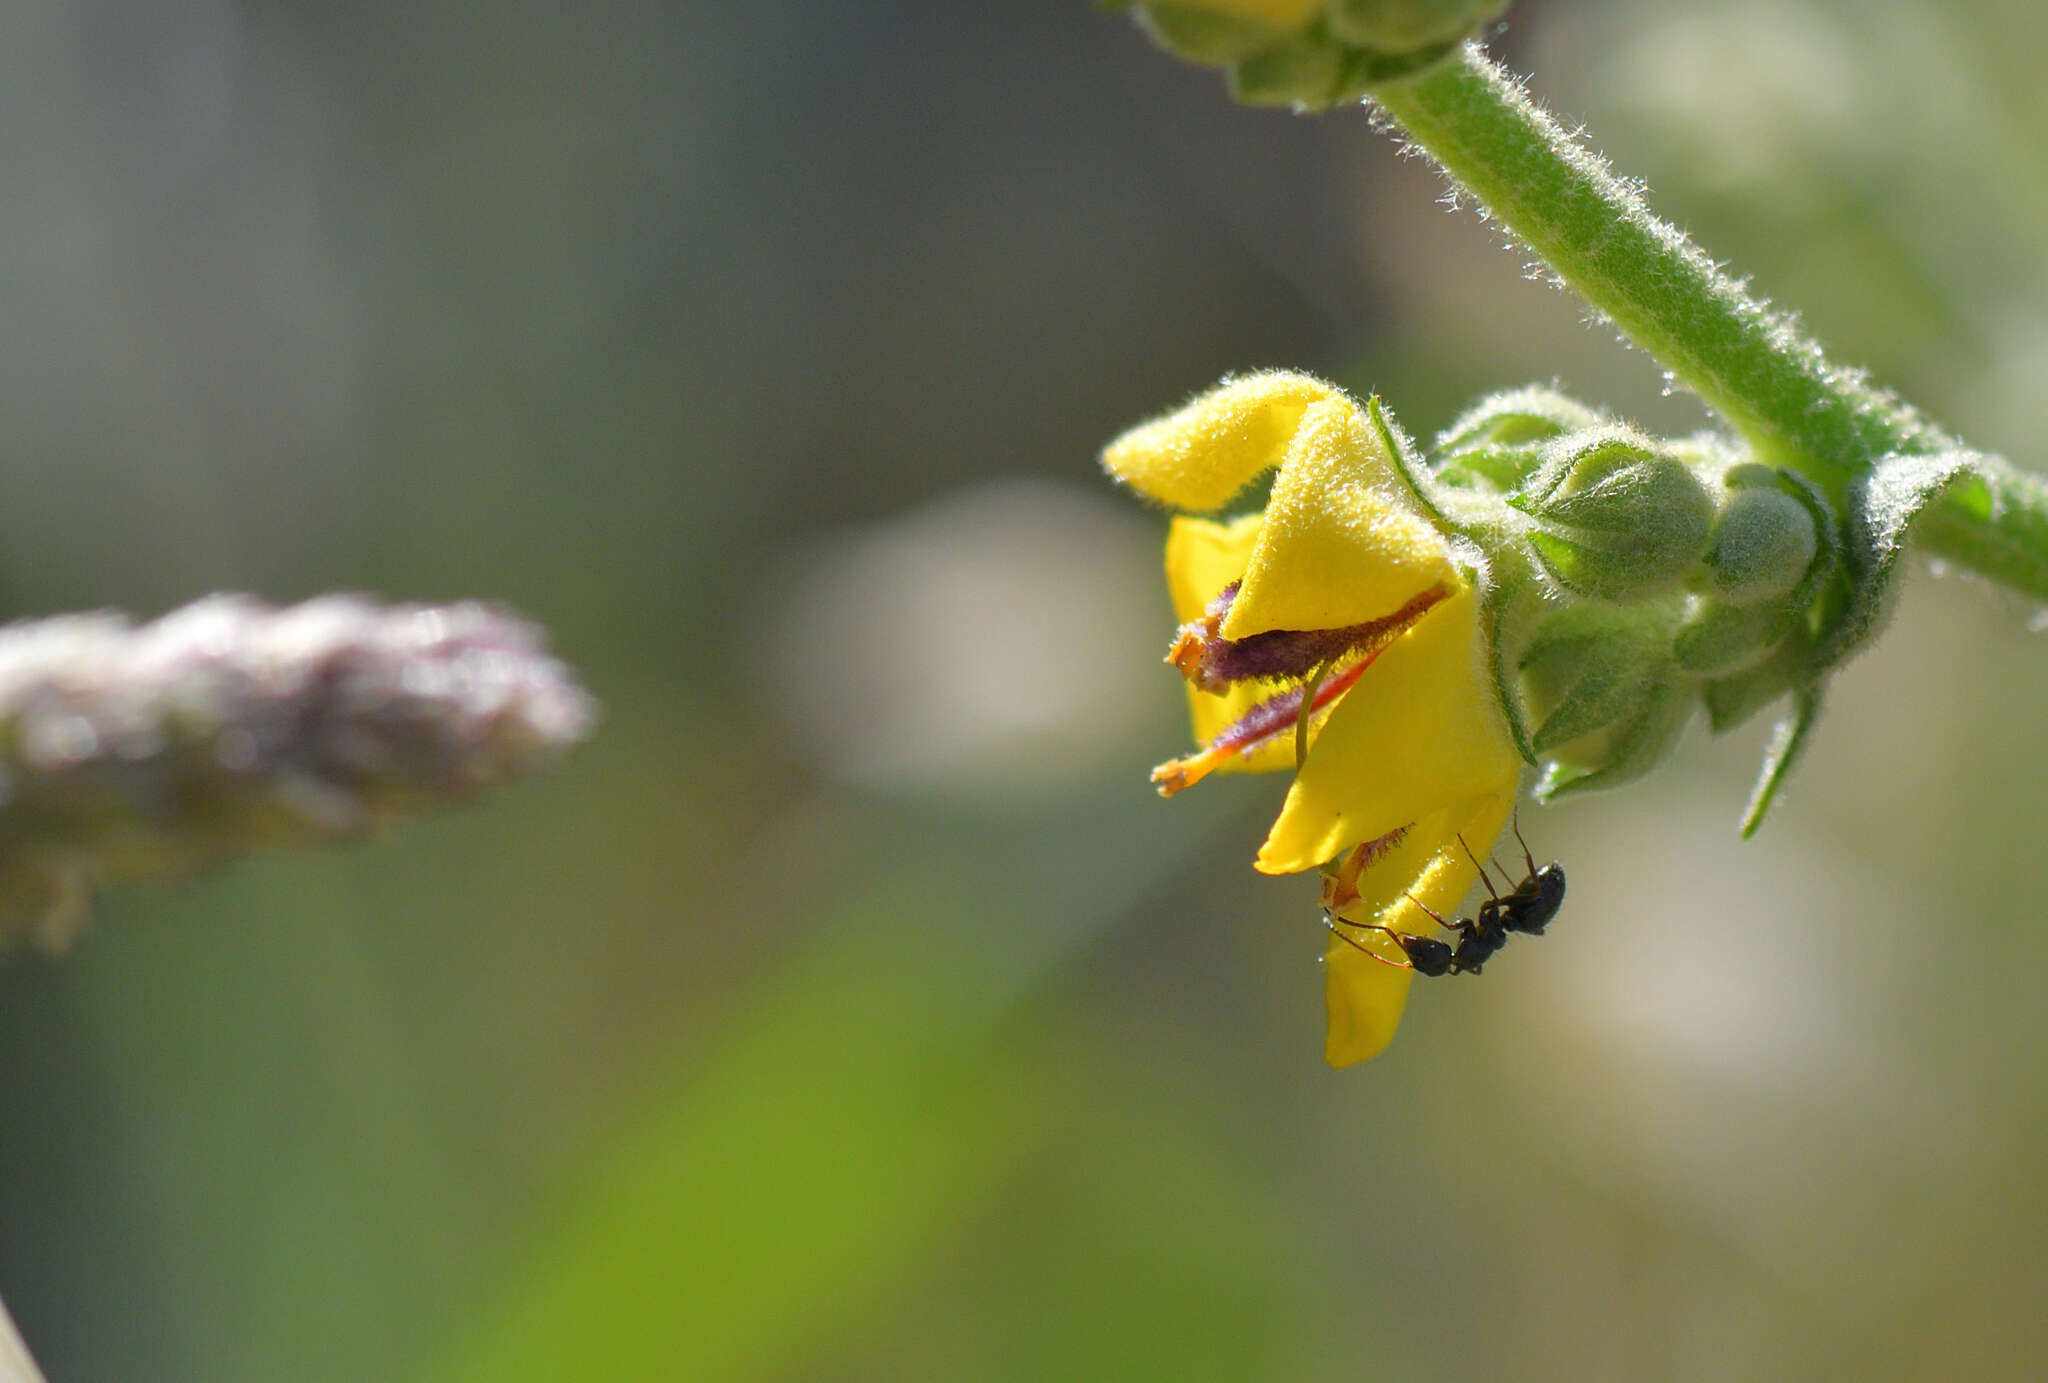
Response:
column 1263, row 722
column 1287, row 710
column 1215, row 664
column 1192, row 638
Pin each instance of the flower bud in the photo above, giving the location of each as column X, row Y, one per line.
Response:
column 1763, row 540
column 1306, row 70
column 1217, row 38
column 1313, row 54
column 1617, row 515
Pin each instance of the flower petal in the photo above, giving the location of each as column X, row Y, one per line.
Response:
column 1199, row 456
column 1421, row 730
column 1365, row 998
column 1202, row 557
column 1343, row 542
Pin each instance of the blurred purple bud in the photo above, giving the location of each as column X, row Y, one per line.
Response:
column 130, row 753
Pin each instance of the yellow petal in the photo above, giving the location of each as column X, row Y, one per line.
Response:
column 1343, row 542
column 1365, row 998
column 1202, row 557
column 1198, row 457
column 1421, row 731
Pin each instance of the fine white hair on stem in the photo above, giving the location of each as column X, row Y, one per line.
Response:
column 130, row 752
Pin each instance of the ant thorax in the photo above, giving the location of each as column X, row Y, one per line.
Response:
column 1528, row 906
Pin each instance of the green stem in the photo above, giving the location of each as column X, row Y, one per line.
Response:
column 1752, row 365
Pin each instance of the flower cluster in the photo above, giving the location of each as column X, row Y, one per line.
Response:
column 132, row 753
column 1546, row 586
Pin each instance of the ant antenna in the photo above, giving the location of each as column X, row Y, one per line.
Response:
column 1428, row 909
column 1480, row 867
column 1527, row 858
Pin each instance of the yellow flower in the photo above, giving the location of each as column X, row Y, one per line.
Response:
column 1344, row 585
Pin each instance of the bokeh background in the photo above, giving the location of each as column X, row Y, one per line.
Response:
column 850, row 1009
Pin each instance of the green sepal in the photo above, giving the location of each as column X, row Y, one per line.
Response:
column 1788, row 741
column 1402, row 26
column 1882, row 503
column 1718, row 639
column 1497, row 444
column 1497, row 469
column 1846, row 592
column 1370, row 67
column 1514, row 418
column 1733, row 699
column 1304, row 69
column 1314, row 71
column 1207, row 37
column 1501, row 611
column 1632, row 750
column 1407, row 460
column 1596, row 666
column 1827, row 557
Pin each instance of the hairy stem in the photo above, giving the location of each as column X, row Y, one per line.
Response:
column 1750, row 363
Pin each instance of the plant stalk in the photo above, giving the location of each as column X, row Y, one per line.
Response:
column 1750, row 363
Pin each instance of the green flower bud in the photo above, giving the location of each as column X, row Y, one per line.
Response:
column 1313, row 54
column 1498, row 443
column 1617, row 515
column 1304, row 70
column 1763, row 541
column 1405, row 26
column 1207, row 36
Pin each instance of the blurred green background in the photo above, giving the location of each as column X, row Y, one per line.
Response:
column 850, row 1009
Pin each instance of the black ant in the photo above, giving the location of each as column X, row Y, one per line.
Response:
column 1532, row 903
column 1527, row 907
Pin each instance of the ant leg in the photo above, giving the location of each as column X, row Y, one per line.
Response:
column 1331, row 920
column 1527, row 858
column 1483, row 877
